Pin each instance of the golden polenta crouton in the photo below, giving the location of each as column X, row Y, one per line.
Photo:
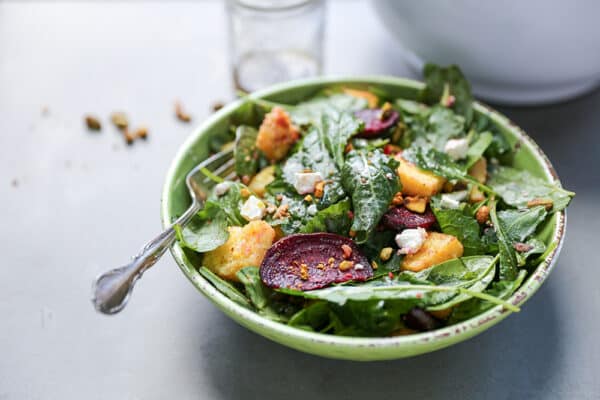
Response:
column 437, row 248
column 417, row 182
column 245, row 247
column 262, row 179
column 276, row 134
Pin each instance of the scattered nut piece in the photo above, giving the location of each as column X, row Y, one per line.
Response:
column 281, row 212
column 141, row 133
column 180, row 114
column 347, row 250
column 119, row 119
column 245, row 179
column 349, row 147
column 352, row 233
column 93, row 123
column 244, row 192
column 129, row 137
column 398, row 199
column 416, row 204
column 304, row 272
column 308, row 198
column 346, row 265
column 482, row 214
column 319, row 188
column 385, row 253
column 15, row 183
column 217, row 105
column 522, row 247
column 547, row 203
column 374, row 265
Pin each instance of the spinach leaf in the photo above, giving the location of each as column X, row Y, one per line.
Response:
column 245, row 151
column 314, row 317
column 333, row 219
column 518, row 187
column 264, row 299
column 336, row 130
column 230, row 203
column 462, row 225
column 442, row 125
column 313, row 154
column 370, row 179
column 311, row 111
column 478, row 147
column 502, row 289
column 536, row 247
column 449, row 81
column 372, row 249
column 224, row 287
column 206, row 231
column 520, row 224
column 508, row 258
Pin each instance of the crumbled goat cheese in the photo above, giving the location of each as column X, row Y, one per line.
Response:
column 311, row 210
column 306, row 181
column 359, row 266
column 410, row 240
column 253, row 209
column 221, row 188
column 457, row 148
column 449, row 201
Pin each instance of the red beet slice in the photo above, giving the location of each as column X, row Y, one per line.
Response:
column 399, row 218
column 312, row 261
column 373, row 124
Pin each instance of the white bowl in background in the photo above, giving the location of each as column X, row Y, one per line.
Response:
column 513, row 52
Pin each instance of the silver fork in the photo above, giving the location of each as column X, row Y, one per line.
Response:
column 112, row 289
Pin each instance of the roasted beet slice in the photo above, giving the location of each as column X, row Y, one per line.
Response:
column 399, row 218
column 374, row 124
column 312, row 261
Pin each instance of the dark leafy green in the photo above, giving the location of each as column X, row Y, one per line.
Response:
column 442, row 82
column 478, row 147
column 370, row 179
column 245, row 151
column 336, row 130
column 224, row 287
column 502, row 289
column 462, row 225
column 333, row 219
column 206, row 231
column 518, row 187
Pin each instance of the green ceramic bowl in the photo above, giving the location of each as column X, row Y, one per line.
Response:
column 175, row 200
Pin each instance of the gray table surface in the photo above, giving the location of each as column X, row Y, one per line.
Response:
column 75, row 203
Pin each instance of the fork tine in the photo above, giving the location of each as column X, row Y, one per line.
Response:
column 217, row 158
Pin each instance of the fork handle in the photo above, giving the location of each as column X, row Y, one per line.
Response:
column 112, row 289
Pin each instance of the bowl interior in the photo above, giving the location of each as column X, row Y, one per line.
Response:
column 175, row 200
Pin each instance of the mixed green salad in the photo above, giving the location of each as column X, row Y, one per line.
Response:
column 356, row 213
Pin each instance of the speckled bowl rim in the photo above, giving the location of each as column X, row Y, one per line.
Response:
column 399, row 346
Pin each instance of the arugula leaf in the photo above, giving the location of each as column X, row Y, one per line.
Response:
column 477, row 148
column 508, row 258
column 312, row 154
column 370, row 179
column 463, row 226
column 245, row 151
column 224, row 287
column 448, row 81
column 333, row 219
column 518, row 187
column 336, row 131
column 473, row 307
column 206, row 231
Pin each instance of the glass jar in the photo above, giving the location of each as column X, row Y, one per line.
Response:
column 274, row 41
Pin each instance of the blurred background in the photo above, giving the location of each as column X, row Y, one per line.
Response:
column 77, row 201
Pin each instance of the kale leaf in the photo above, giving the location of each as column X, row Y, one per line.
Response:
column 333, row 219
column 371, row 181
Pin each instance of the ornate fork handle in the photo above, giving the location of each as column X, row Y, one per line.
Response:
column 112, row 289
